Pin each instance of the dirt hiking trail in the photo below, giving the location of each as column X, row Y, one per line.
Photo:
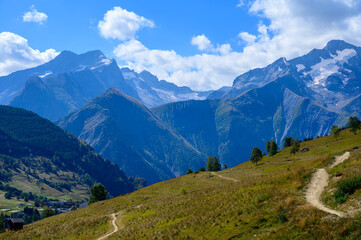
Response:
column 319, row 182
column 116, row 228
column 223, row 177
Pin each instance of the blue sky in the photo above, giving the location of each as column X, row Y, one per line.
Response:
column 72, row 25
column 203, row 44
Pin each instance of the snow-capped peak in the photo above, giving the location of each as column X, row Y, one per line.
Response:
column 326, row 67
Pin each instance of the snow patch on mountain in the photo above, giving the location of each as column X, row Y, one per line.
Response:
column 103, row 62
column 300, row 67
column 322, row 70
column 45, row 74
column 129, row 75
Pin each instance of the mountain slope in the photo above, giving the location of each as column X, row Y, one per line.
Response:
column 266, row 201
column 42, row 155
column 230, row 128
column 125, row 131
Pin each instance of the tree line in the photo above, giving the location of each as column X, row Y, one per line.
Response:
column 354, row 124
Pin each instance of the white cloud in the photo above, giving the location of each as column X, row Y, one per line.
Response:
column 202, row 42
column 120, row 24
column 242, row 3
column 205, row 71
column 35, row 16
column 295, row 27
column 249, row 38
column 15, row 54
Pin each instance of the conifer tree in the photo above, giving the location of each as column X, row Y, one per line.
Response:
column 273, row 148
column 256, row 155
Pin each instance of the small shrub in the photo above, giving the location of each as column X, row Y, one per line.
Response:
column 346, row 188
column 282, row 218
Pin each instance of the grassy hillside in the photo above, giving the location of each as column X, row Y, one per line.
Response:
column 255, row 202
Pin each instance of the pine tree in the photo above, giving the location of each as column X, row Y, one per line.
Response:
column 295, row 146
column 209, row 164
column 354, row 124
column 216, row 165
column 273, row 148
column 256, row 155
column 288, row 142
column 213, row 164
column 335, row 131
column 268, row 146
column 98, row 193
column 48, row 212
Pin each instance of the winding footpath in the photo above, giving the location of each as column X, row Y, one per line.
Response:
column 116, row 228
column 319, row 182
column 223, row 177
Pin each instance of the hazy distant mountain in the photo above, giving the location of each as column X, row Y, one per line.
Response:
column 218, row 94
column 66, row 83
column 123, row 130
column 154, row 92
column 38, row 156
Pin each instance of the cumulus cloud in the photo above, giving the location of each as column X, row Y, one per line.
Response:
column 293, row 28
column 201, row 71
column 297, row 26
column 249, row 38
column 120, row 24
column 35, row 16
column 15, row 54
column 202, row 42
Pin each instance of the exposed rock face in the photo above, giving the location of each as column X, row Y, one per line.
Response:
column 230, row 128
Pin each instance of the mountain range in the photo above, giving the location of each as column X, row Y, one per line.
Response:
column 331, row 75
column 125, row 131
column 67, row 82
column 299, row 98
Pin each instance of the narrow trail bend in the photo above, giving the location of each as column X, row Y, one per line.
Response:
column 319, row 182
column 223, row 177
column 116, row 228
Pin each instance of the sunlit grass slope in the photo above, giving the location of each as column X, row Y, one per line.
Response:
column 267, row 202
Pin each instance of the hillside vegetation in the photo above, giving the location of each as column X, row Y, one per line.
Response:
column 39, row 157
column 249, row 202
